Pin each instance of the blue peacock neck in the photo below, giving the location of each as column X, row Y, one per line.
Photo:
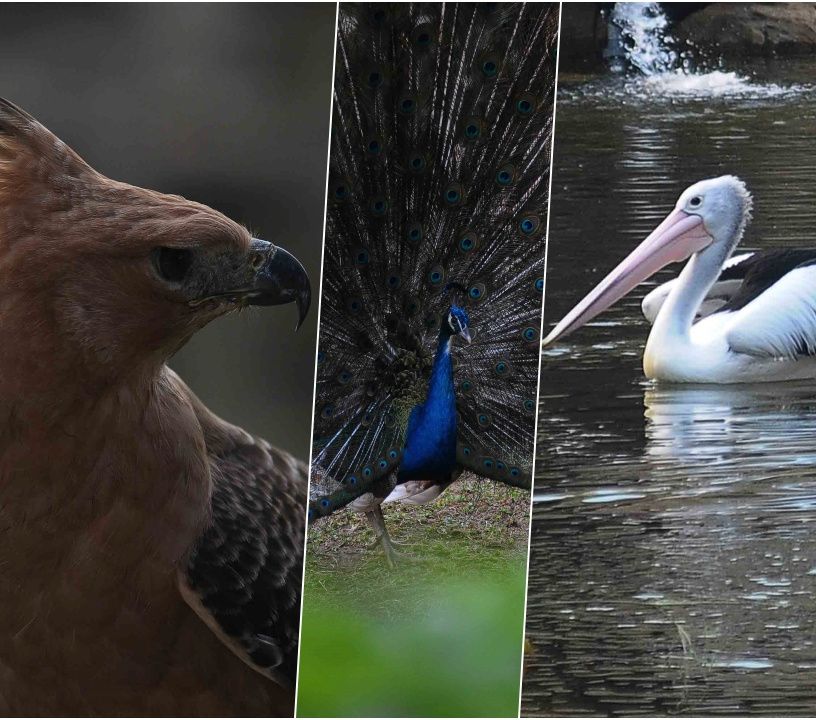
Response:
column 430, row 445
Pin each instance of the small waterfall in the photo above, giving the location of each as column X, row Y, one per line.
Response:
column 642, row 33
column 642, row 49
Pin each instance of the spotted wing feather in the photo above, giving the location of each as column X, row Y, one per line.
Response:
column 243, row 576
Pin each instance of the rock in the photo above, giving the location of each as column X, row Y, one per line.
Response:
column 583, row 36
column 742, row 30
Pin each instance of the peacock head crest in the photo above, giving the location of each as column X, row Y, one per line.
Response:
column 458, row 322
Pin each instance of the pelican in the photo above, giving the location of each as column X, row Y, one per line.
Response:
column 762, row 329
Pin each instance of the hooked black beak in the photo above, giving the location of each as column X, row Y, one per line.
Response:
column 280, row 279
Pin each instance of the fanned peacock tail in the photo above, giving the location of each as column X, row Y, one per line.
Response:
column 437, row 195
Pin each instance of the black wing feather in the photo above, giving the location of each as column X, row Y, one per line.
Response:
column 762, row 270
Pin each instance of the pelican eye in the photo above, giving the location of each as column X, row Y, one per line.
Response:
column 696, row 201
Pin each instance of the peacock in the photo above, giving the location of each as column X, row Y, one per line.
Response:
column 427, row 364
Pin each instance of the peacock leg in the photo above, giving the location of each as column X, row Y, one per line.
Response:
column 377, row 522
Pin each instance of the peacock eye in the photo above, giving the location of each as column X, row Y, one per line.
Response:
column 172, row 264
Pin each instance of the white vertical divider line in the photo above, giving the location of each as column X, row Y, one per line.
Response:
column 540, row 335
column 317, row 346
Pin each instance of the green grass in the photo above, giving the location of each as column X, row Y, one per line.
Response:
column 440, row 635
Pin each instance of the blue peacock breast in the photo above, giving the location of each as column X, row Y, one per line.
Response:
column 430, row 443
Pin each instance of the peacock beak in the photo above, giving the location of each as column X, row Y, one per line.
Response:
column 465, row 333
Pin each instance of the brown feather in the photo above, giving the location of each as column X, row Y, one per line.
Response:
column 106, row 458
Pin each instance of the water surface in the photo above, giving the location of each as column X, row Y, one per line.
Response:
column 673, row 561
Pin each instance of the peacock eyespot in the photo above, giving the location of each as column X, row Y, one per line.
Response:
column 343, row 377
column 529, row 405
column 465, row 386
column 487, row 463
column 529, row 224
column 506, row 175
column 354, row 305
column 374, row 147
column 325, row 502
column 361, row 258
column 467, row 243
column 466, row 451
column 415, row 233
column 423, row 38
column 436, row 275
column 489, row 68
column 382, row 464
column 539, row 284
column 393, row 281
column 340, row 192
column 476, row 292
column 529, row 334
column 515, row 472
column 502, row 368
column 407, row 106
column 393, row 454
column 172, row 264
column 351, row 480
column 321, row 357
column 379, row 206
column 500, row 465
column 452, row 194
column 375, row 78
column 312, row 514
column 367, row 472
column 472, row 131
column 379, row 15
column 327, row 412
column 524, row 106
column 483, row 419
column 416, row 163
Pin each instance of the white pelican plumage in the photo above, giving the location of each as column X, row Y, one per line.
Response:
column 760, row 330
column 724, row 288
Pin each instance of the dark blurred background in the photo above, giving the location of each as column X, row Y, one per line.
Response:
column 226, row 104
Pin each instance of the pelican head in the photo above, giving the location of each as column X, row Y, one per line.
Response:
column 723, row 204
column 709, row 218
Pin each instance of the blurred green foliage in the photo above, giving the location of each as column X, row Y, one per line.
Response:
column 458, row 657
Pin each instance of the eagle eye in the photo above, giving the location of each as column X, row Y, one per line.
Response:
column 172, row 264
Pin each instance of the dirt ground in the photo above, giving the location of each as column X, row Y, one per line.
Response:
column 474, row 524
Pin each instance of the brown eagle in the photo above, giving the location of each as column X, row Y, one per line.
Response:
column 150, row 553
